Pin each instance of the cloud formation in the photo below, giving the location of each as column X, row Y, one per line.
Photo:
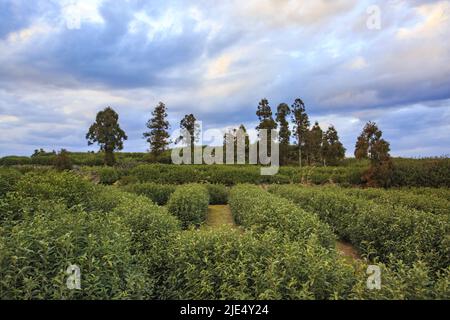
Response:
column 63, row 61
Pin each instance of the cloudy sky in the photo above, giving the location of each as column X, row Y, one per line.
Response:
column 63, row 61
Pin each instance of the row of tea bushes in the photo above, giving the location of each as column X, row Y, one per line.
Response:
column 55, row 220
column 256, row 209
column 218, row 194
column 228, row 264
column 160, row 193
column 239, row 174
column 421, row 173
column 428, row 203
column 443, row 193
column 377, row 230
column 189, row 203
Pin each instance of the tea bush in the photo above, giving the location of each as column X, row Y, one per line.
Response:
column 256, row 209
column 218, row 194
column 66, row 186
column 226, row 264
column 189, row 203
column 403, row 282
column 8, row 178
column 158, row 193
column 108, row 175
column 395, row 198
column 152, row 229
column 37, row 252
column 241, row 174
column 377, row 230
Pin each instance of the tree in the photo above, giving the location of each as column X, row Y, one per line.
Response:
column 106, row 132
column 266, row 122
column 301, row 125
column 190, row 131
column 332, row 149
column 283, row 111
column 158, row 136
column 63, row 161
column 371, row 145
column 313, row 146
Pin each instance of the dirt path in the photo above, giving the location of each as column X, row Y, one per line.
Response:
column 348, row 251
column 219, row 215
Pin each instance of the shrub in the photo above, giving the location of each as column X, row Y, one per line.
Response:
column 218, row 194
column 158, row 193
column 63, row 162
column 37, row 252
column 377, row 230
column 190, row 204
column 8, row 178
column 256, row 209
column 403, row 282
column 152, row 229
column 226, row 264
column 108, row 175
column 395, row 198
column 66, row 186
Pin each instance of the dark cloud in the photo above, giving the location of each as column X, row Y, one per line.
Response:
column 218, row 60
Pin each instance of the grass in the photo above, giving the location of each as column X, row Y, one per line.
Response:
column 219, row 215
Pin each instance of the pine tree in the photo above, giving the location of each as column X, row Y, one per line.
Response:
column 283, row 111
column 301, row 125
column 332, row 149
column 106, row 132
column 158, row 136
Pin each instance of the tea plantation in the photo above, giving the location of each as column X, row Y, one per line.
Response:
column 141, row 233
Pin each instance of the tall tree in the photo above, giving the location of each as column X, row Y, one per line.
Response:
column 380, row 171
column 332, row 149
column 189, row 125
column 266, row 122
column 301, row 125
column 106, row 132
column 158, row 136
column 313, row 145
column 370, row 144
column 283, row 111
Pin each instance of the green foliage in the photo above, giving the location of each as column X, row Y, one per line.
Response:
column 190, row 204
column 62, row 161
column 37, row 252
column 376, row 229
column 258, row 210
column 107, row 133
column 65, row 186
column 239, row 174
column 218, row 194
column 158, row 137
column 403, row 282
column 226, row 264
column 8, row 178
column 158, row 193
column 108, row 175
column 429, row 203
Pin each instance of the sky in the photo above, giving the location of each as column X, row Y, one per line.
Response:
column 350, row 61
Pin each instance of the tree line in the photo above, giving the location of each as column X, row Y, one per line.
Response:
column 312, row 146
